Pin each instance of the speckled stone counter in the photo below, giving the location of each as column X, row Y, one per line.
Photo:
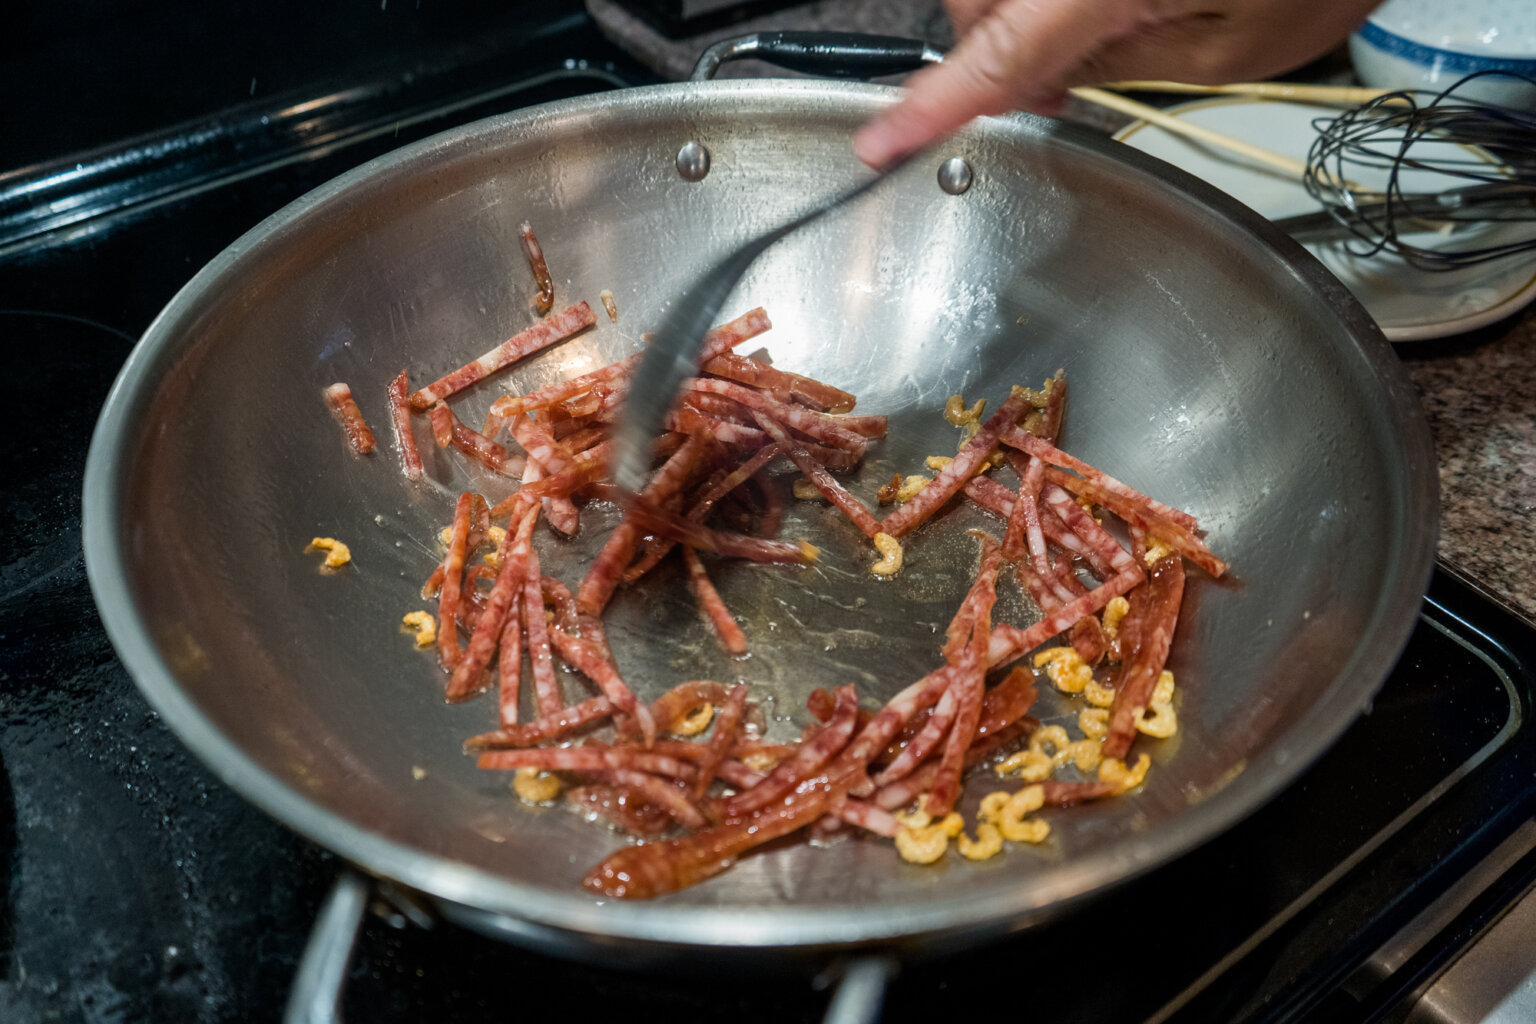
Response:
column 1478, row 390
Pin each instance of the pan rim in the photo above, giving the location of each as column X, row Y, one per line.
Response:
column 987, row 910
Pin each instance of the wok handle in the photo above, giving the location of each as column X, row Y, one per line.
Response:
column 830, row 54
column 860, row 991
column 316, row 994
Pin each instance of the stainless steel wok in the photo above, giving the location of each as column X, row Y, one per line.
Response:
column 1213, row 363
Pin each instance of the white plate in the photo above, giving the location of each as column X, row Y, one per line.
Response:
column 1408, row 304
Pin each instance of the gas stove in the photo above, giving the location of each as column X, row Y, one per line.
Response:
column 139, row 888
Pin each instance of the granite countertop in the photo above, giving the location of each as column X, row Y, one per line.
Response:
column 1478, row 390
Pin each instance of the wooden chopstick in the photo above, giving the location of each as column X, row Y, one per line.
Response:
column 1299, row 92
column 1113, row 101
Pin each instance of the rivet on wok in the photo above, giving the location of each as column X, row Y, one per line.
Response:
column 954, row 175
column 693, row 161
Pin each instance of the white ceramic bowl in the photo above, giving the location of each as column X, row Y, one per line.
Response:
column 1429, row 44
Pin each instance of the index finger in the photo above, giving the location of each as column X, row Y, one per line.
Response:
column 1017, row 55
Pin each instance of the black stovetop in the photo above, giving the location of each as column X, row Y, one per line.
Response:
column 136, row 887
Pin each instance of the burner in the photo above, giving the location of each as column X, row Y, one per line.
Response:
column 121, row 850
column 40, row 509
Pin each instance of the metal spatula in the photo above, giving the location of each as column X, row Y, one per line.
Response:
column 674, row 349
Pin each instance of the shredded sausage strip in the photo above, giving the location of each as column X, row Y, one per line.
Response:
column 1057, row 532
column 654, row 869
column 591, row 661
column 1056, row 793
column 953, row 476
column 466, row 678
column 1176, row 536
column 521, row 345
column 479, row 527
column 721, row 339
column 887, row 722
column 509, row 668
column 1024, row 528
column 559, row 595
column 959, row 708
column 850, row 506
column 870, row 817
column 659, row 547
column 924, row 742
column 773, row 506
column 905, row 791
column 662, row 793
column 689, row 420
column 735, row 545
column 545, row 301
column 1088, row 530
column 507, row 406
column 441, row 418
column 684, row 698
column 813, row 424
column 344, row 407
column 589, row 466
column 718, row 406
column 1141, row 667
column 990, row 495
column 1006, row 703
column 582, row 439
column 481, row 448
column 551, row 458
column 727, row 725
column 591, row 758
column 608, row 568
column 715, row 612
column 1009, row 642
column 977, row 602
column 746, row 370
column 1024, row 523
column 546, row 687
column 970, row 682
column 544, row 730
column 808, row 758
column 1043, row 449
column 727, row 336
column 400, row 420
column 448, row 598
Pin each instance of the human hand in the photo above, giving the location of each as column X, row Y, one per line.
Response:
column 1025, row 54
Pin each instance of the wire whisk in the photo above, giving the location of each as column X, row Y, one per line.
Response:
column 1481, row 163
